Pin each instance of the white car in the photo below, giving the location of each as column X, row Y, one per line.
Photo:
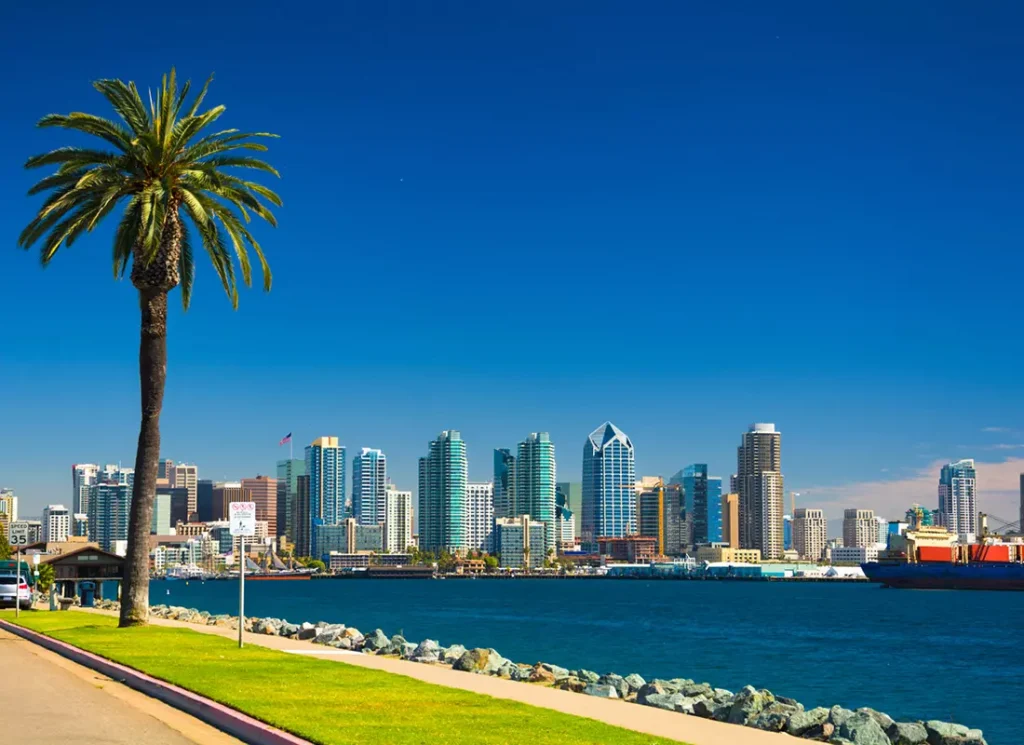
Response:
column 14, row 591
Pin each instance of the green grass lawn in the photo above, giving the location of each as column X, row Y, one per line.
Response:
column 324, row 701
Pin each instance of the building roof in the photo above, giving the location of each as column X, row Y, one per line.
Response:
column 605, row 434
column 52, row 558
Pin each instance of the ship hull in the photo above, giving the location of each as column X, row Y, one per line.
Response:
column 943, row 576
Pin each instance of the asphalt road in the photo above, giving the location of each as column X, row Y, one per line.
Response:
column 48, row 700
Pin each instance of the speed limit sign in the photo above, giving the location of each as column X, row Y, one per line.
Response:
column 19, row 534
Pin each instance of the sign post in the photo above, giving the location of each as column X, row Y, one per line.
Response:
column 243, row 523
column 19, row 538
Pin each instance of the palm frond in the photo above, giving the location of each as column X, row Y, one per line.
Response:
column 186, row 266
column 91, row 125
column 126, row 101
column 126, row 236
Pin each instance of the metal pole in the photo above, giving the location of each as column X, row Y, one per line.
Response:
column 241, row 588
column 17, row 585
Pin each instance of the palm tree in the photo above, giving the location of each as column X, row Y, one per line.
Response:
column 165, row 166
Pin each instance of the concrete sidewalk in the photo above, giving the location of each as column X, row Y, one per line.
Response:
column 52, row 701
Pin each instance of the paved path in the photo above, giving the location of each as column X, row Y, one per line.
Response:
column 647, row 719
column 49, row 700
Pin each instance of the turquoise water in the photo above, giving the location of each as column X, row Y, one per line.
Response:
column 913, row 654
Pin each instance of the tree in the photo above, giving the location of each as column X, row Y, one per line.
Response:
column 317, row 565
column 490, row 563
column 165, row 166
column 46, row 578
column 5, row 546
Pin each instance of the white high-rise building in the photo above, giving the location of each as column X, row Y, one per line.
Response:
column 860, row 529
column 369, row 486
column 958, row 498
column 480, row 516
column 56, row 523
column 810, row 533
column 83, row 475
column 397, row 520
column 8, row 510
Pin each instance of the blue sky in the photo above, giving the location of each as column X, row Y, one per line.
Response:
column 681, row 217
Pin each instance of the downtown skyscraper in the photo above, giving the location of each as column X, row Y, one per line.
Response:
column 443, row 492
column 759, row 483
column 83, row 476
column 702, row 500
column 325, row 466
column 535, row 484
column 958, row 497
column 504, row 483
column 609, row 478
column 369, row 486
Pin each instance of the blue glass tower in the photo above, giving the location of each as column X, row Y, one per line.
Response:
column 325, row 467
column 609, row 478
column 702, row 504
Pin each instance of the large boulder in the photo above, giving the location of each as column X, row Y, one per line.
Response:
column 329, row 634
column 572, row 683
column 587, row 676
column 698, row 689
column 427, row 650
column 775, row 716
column 635, row 682
column 558, row 672
column 601, row 691
column 666, row 701
column 747, row 704
column 341, row 643
column 481, row 661
column 907, row 733
column 288, row 629
column 395, row 647
column 884, row 720
column 947, row 733
column 837, row 715
column 307, row 631
column 450, row 654
column 654, row 688
column 802, row 722
column 351, row 632
column 615, row 681
column 375, row 641
column 862, row 729
column 539, row 674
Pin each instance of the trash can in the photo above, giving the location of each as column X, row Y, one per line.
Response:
column 87, row 590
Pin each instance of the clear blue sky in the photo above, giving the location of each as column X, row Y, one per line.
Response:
column 683, row 217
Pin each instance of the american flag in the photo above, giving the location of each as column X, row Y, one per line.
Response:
column 286, row 438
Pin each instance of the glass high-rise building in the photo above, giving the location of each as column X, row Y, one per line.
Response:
column 958, row 497
column 325, row 465
column 109, row 507
column 504, row 483
column 535, row 484
column 369, row 487
column 288, row 472
column 609, row 479
column 702, row 499
column 443, row 479
column 83, row 476
column 760, row 484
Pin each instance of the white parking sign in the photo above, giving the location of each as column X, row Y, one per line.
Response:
column 19, row 534
column 243, row 518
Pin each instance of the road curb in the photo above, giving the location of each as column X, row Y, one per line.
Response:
column 224, row 718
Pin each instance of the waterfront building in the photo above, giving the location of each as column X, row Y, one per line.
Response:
column 897, row 527
column 224, row 493
column 731, row 519
column 633, row 549
column 263, row 491
column 56, row 524
column 535, row 483
column 83, row 476
column 348, row 537
column 109, row 507
column 860, row 528
column 504, row 483
column 186, row 476
column 608, row 493
column 854, row 555
column 204, row 500
column 325, row 465
column 883, row 529
column 369, row 486
column 161, row 522
column 520, row 542
column 397, row 520
column 301, row 518
column 565, row 519
column 702, row 505
column 8, row 510
column 760, row 486
column 572, row 491
column 958, row 504
column 717, row 553
column 443, row 478
column 288, row 472
column 80, row 525
column 649, row 503
column 480, row 516
column 810, row 533
column 787, row 532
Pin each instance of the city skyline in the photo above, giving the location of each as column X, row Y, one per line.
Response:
column 823, row 222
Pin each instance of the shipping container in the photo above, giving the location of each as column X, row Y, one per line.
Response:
column 935, row 553
column 992, row 552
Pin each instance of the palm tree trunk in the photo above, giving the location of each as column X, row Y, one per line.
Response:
column 152, row 376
